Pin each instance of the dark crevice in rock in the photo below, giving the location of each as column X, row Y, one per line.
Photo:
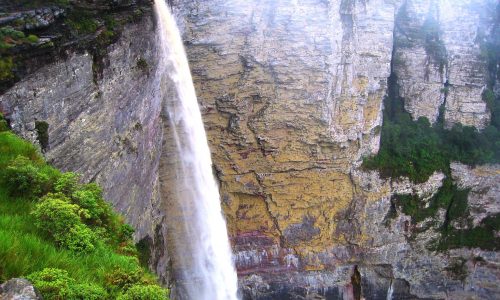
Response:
column 356, row 284
column 42, row 131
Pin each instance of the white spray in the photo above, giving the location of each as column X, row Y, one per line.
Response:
column 390, row 291
column 203, row 266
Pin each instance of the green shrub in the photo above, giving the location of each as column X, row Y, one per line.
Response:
column 482, row 236
column 61, row 220
column 126, row 232
column 410, row 149
column 122, row 279
column 33, row 39
column 10, row 37
column 144, row 292
column 3, row 124
column 87, row 291
column 42, row 130
column 57, row 231
column 53, row 284
column 83, row 22
column 88, row 200
column 128, row 248
column 79, row 238
column 55, row 214
column 6, row 68
column 67, row 183
column 56, row 284
column 23, row 178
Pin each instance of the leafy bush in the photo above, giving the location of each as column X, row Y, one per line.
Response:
column 32, row 39
column 61, row 220
column 88, row 200
column 10, row 37
column 127, row 248
column 144, row 292
column 122, row 279
column 88, row 291
column 83, row 22
column 23, row 178
column 53, row 284
column 56, row 284
column 42, row 130
column 55, row 214
column 410, row 149
column 67, row 183
column 6, row 68
column 126, row 232
column 483, row 236
column 3, row 124
column 79, row 238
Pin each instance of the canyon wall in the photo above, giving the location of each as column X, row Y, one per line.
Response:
column 292, row 95
column 103, row 117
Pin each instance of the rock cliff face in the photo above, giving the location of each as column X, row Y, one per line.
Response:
column 103, row 122
column 292, row 97
column 291, row 93
column 439, row 59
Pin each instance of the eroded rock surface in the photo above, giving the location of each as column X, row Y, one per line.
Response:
column 291, row 94
column 440, row 59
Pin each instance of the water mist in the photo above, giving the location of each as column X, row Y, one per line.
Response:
column 197, row 234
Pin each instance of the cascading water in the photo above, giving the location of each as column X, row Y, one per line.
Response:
column 201, row 258
column 390, row 291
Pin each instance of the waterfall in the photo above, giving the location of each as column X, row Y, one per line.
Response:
column 390, row 291
column 197, row 233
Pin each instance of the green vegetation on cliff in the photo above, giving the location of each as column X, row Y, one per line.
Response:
column 417, row 149
column 65, row 26
column 62, row 235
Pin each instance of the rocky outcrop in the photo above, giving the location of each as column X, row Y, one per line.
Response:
column 439, row 58
column 483, row 182
column 101, row 119
column 18, row 289
column 33, row 19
